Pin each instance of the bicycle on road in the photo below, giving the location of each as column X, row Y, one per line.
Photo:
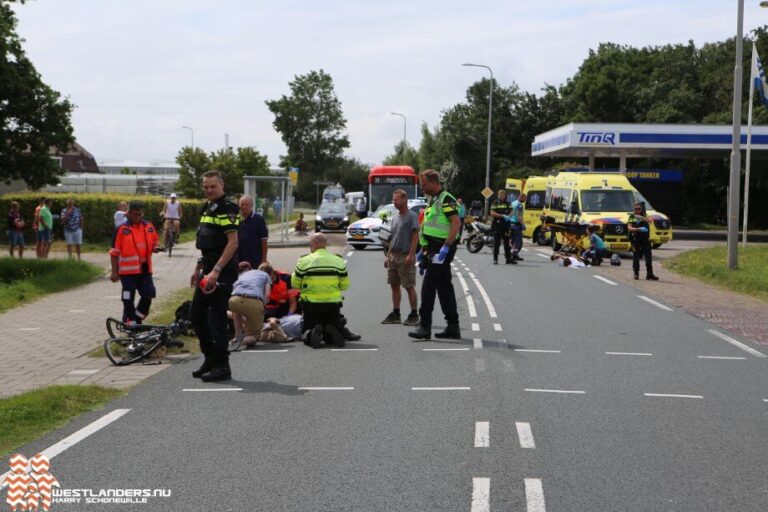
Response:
column 169, row 236
column 130, row 342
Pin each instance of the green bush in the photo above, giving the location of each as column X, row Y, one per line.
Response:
column 98, row 212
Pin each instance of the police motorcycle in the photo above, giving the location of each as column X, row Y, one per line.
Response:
column 478, row 235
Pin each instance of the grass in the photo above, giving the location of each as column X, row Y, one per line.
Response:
column 711, row 266
column 24, row 280
column 28, row 416
column 164, row 313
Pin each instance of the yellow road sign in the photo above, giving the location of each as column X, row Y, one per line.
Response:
column 487, row 192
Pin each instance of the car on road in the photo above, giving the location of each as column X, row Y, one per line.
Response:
column 385, row 234
column 331, row 217
column 367, row 231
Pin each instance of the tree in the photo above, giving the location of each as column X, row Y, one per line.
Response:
column 312, row 126
column 33, row 116
column 194, row 163
column 250, row 162
column 404, row 154
column 350, row 173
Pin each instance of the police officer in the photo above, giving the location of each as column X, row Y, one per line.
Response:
column 641, row 246
column 131, row 257
column 214, row 275
column 321, row 276
column 500, row 210
column 438, row 246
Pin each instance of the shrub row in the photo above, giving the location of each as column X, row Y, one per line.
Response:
column 98, row 212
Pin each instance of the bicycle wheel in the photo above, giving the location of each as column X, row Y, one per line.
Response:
column 169, row 238
column 116, row 328
column 127, row 350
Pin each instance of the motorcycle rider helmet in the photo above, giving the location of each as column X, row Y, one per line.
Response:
column 615, row 260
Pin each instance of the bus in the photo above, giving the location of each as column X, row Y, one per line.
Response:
column 383, row 180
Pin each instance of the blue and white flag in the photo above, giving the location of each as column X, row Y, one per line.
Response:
column 758, row 76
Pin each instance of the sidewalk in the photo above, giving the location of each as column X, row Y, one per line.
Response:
column 46, row 342
column 740, row 314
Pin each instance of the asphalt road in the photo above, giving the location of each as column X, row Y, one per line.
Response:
column 567, row 393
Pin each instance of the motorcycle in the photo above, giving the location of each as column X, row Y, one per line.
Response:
column 478, row 236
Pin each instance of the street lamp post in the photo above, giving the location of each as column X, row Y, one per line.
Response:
column 735, row 175
column 404, row 131
column 490, row 118
column 192, row 134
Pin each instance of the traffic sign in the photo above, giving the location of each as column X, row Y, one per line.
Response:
column 293, row 174
column 487, row 192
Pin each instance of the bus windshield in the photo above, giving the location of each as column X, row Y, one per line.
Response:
column 607, row 200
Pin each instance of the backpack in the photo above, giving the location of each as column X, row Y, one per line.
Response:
column 184, row 313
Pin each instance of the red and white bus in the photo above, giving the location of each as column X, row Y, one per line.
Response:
column 383, row 180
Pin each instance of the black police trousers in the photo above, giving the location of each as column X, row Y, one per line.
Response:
column 642, row 249
column 321, row 313
column 209, row 320
column 437, row 282
column 501, row 233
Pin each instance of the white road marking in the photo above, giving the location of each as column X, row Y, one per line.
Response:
column 667, row 395
column 28, row 329
column 628, row 354
column 486, row 298
column 524, row 249
column 482, row 434
column 736, row 343
column 346, row 261
column 112, row 297
column 538, row 351
column 76, row 311
column 350, row 254
column 322, row 388
column 475, row 327
column 478, row 343
column 353, row 350
column 525, row 435
column 543, row 255
column 601, row 278
column 455, row 388
column 479, row 365
column 657, row 304
column 534, row 495
column 262, row 351
column 564, row 391
column 481, row 495
column 765, row 399
column 497, row 327
column 78, row 436
column 83, row 372
column 470, row 301
column 203, row 390
column 445, row 349
column 723, row 357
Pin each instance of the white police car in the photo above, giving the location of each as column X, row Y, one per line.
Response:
column 371, row 230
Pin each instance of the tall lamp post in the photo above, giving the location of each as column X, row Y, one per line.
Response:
column 192, row 134
column 404, row 131
column 490, row 118
column 735, row 175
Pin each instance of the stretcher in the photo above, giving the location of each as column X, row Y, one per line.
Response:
column 573, row 235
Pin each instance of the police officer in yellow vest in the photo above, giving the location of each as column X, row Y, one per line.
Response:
column 213, row 277
column 438, row 246
column 321, row 276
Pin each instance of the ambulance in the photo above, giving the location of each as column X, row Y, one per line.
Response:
column 535, row 188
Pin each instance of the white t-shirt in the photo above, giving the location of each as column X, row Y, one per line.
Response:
column 119, row 218
column 574, row 263
column 172, row 210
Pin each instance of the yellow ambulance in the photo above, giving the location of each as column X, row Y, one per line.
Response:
column 514, row 188
column 535, row 188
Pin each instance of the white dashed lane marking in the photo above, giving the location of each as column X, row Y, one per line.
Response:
column 668, row 395
column 561, row 391
column 736, row 343
column 534, row 495
column 264, row 351
column 537, row 351
column 628, row 354
column 478, row 343
column 212, row 390
column 484, row 295
column 481, row 495
column 323, row 388
column 463, row 349
column 454, row 388
column 83, row 372
column 525, row 435
column 608, row 281
column 497, row 327
column 475, row 327
column 482, row 434
column 470, row 302
column 76, row 311
column 723, row 357
column 29, row 329
column 353, row 350
column 657, row 304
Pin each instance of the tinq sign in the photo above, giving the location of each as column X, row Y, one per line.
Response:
column 599, row 138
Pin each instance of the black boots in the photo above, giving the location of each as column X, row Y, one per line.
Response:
column 451, row 332
column 650, row 277
column 204, row 368
column 424, row 332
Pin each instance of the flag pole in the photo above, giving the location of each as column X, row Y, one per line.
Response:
column 749, row 144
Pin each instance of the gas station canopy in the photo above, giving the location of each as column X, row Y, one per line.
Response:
column 611, row 140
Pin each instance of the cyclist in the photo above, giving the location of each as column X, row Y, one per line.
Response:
column 172, row 212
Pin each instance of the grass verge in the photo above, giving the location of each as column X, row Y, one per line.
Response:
column 163, row 312
column 24, row 280
column 711, row 266
column 28, row 416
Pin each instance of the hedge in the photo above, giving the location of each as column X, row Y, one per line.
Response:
column 98, row 212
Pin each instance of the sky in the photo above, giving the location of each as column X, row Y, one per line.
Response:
column 138, row 71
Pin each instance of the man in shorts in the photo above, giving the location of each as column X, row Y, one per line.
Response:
column 401, row 258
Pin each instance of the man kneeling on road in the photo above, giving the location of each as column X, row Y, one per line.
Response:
column 321, row 277
column 399, row 260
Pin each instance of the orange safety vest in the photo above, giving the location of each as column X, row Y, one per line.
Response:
column 133, row 246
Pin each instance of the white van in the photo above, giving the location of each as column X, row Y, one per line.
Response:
column 350, row 200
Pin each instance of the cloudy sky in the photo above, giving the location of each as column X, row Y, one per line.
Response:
column 139, row 70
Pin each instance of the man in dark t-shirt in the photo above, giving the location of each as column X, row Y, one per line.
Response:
column 252, row 235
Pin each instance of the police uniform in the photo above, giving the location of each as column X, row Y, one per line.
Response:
column 501, row 230
column 437, row 278
column 209, row 311
column 321, row 277
column 641, row 247
column 132, row 246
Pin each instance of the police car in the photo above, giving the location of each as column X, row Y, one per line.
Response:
column 374, row 230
